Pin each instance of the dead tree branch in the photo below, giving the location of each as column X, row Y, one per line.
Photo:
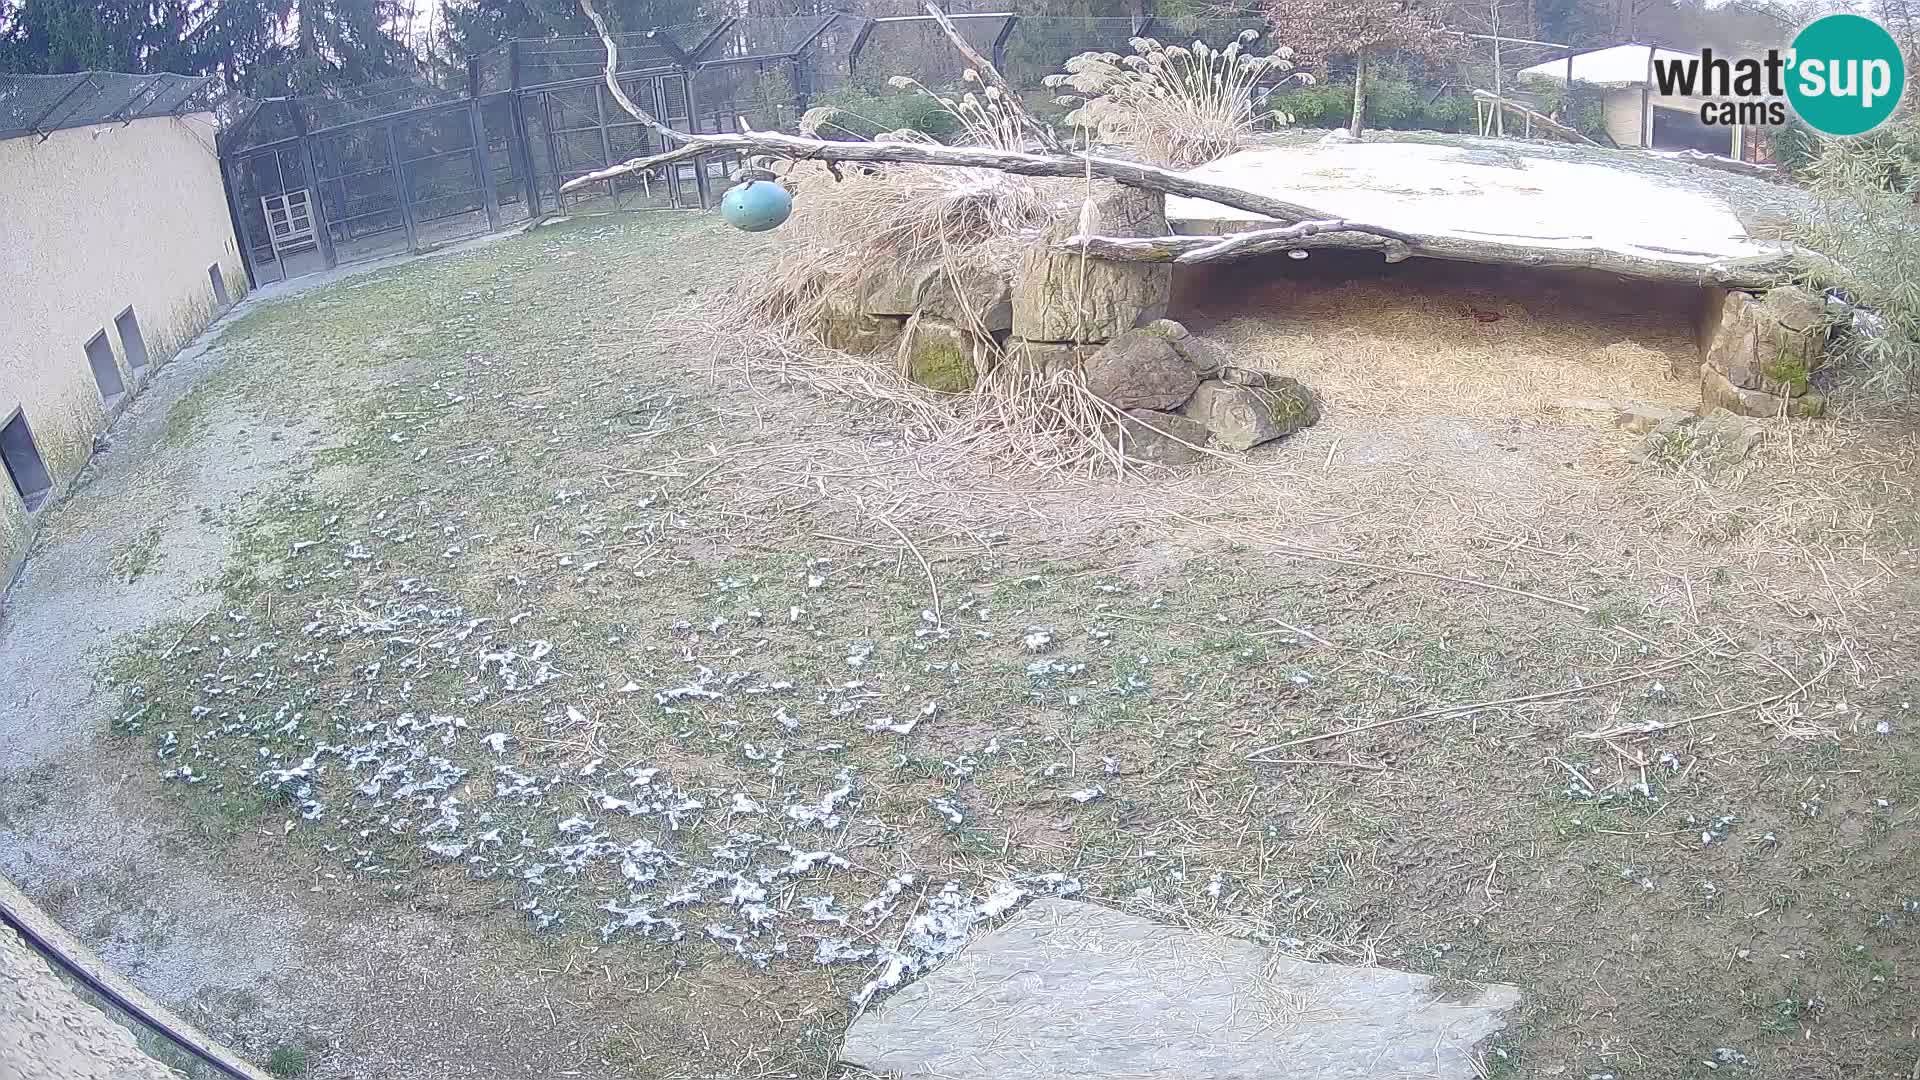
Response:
column 1296, row 227
column 1130, row 173
column 1540, row 120
column 990, row 76
column 1757, row 272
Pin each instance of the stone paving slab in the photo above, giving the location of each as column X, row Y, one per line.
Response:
column 1073, row 989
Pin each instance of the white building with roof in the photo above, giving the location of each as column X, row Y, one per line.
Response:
column 1635, row 112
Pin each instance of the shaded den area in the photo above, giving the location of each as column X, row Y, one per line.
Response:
column 1431, row 337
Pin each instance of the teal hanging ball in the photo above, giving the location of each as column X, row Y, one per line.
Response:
column 756, row 206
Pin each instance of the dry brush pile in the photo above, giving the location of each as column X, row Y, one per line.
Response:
column 962, row 232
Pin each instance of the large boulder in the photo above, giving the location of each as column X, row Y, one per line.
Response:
column 897, row 290
column 1161, row 438
column 977, row 295
column 1048, row 357
column 1141, row 369
column 1717, row 391
column 1061, row 296
column 1208, row 357
column 1719, row 440
column 940, row 356
column 847, row 328
column 1770, row 343
column 1243, row 417
column 1796, row 308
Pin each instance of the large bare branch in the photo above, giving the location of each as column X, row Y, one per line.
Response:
column 990, row 76
column 1754, row 272
column 613, row 79
column 1130, row 173
column 1540, row 120
column 1296, row 228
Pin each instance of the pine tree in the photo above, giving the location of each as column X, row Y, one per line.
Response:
column 477, row 26
column 260, row 47
column 51, row 37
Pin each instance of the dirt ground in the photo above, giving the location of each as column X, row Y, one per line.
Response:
column 487, row 667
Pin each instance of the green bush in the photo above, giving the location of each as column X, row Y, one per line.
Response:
column 1796, row 147
column 1392, row 103
column 868, row 113
column 1866, row 223
column 1322, row 105
column 1579, row 108
column 288, row 1061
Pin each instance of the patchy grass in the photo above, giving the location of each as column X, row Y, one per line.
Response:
column 1464, row 710
column 131, row 561
column 187, row 421
column 288, row 1061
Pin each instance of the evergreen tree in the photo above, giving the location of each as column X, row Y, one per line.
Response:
column 260, row 47
column 51, row 37
column 477, row 26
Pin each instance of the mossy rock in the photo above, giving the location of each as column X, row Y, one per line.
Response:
column 1789, row 371
column 845, row 327
column 940, row 357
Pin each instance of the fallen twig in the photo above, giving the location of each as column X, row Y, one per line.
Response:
column 932, row 588
column 1651, row 726
column 1475, row 706
column 168, row 655
column 1367, row 765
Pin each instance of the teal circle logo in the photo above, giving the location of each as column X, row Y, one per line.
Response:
column 1845, row 74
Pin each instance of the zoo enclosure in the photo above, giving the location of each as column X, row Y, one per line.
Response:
column 43, row 104
column 405, row 166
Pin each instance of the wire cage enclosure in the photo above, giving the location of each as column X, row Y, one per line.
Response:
column 43, row 104
column 405, row 165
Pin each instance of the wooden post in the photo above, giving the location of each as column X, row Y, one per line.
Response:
column 1499, row 87
column 400, row 189
column 606, row 144
column 323, row 233
column 482, row 164
column 1359, row 93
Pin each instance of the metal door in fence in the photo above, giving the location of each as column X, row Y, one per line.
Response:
column 578, row 128
column 407, row 183
column 263, row 183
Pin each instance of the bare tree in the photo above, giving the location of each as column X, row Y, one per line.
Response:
column 1320, row 29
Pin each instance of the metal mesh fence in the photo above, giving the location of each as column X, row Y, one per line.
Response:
column 765, row 38
column 38, row 104
column 403, row 164
column 570, row 59
column 384, row 98
column 1038, row 47
column 493, row 71
column 917, row 48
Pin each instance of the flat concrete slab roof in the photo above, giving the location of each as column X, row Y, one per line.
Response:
column 1509, row 195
